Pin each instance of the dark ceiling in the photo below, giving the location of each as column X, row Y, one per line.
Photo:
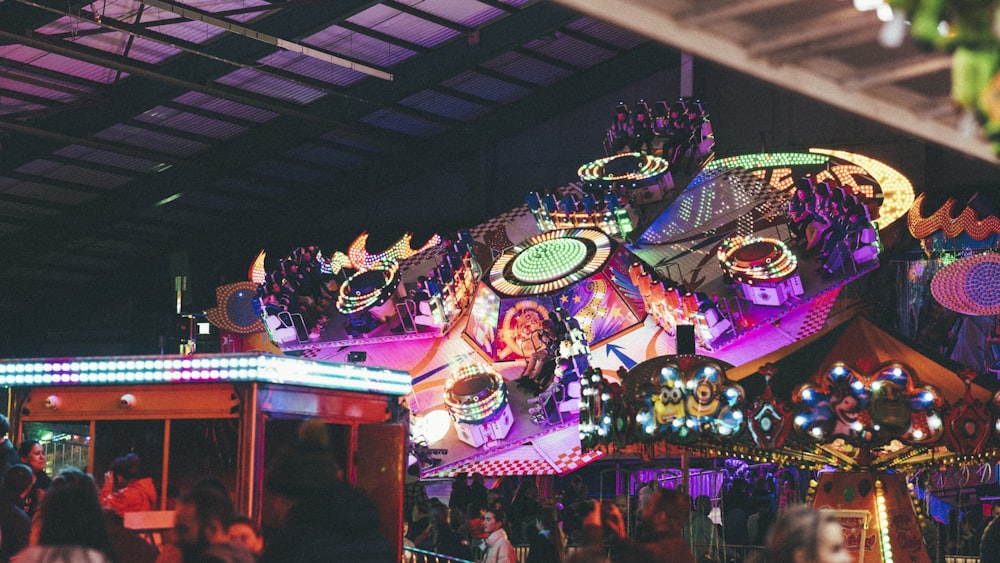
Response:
column 141, row 138
column 144, row 140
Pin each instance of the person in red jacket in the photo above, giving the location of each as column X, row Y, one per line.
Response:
column 125, row 489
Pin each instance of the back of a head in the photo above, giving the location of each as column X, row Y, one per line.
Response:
column 4, row 425
column 71, row 513
column 17, row 480
column 797, row 531
column 211, row 506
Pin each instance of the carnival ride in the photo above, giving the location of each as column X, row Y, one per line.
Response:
column 620, row 258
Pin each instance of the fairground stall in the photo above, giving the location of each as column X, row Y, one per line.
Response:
column 866, row 419
column 224, row 417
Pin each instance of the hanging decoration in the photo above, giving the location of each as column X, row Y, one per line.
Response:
column 868, row 410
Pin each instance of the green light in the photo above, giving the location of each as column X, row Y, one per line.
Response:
column 766, row 160
column 549, row 260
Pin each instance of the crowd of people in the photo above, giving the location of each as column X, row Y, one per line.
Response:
column 485, row 524
column 71, row 518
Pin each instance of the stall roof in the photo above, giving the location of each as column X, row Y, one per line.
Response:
column 856, row 342
column 254, row 367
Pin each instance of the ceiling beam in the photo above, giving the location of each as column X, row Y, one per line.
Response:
column 653, row 18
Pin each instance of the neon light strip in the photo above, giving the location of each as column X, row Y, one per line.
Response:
column 649, row 166
column 262, row 368
column 503, row 281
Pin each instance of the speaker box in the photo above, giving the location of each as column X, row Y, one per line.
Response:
column 685, row 339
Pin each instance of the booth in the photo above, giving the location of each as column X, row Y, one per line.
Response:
column 225, row 417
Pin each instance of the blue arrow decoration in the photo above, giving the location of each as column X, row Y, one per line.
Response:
column 441, row 367
column 626, row 361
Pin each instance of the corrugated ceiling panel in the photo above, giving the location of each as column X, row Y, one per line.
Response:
column 248, row 79
column 191, row 123
column 326, row 156
column 58, row 63
column 34, row 90
column 23, row 210
column 45, row 192
column 443, row 104
column 526, row 68
column 218, row 6
column 389, row 21
column 117, row 160
column 486, row 87
column 10, row 106
column 351, row 139
column 573, row 51
column 466, row 12
column 608, row 33
column 332, row 74
column 73, row 24
column 190, row 31
column 288, row 171
column 389, row 119
column 358, row 46
column 75, row 174
column 140, row 50
column 169, row 144
column 226, row 107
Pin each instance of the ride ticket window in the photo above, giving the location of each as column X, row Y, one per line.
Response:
column 116, row 438
column 203, row 449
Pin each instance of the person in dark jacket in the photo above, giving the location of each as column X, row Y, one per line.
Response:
column 549, row 545
column 15, row 525
column 329, row 521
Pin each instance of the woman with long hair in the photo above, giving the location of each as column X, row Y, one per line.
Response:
column 71, row 522
column 804, row 535
column 33, row 456
column 549, row 546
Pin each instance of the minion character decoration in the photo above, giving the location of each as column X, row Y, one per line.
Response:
column 686, row 399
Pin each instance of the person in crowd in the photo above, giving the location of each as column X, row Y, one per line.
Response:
column 8, row 454
column 549, row 545
column 32, row 455
column 445, row 540
column 460, row 497
column 201, row 529
column 759, row 523
column 524, row 508
column 498, row 547
column 574, row 501
column 71, row 525
column 15, row 525
column 472, row 529
column 125, row 489
column 700, row 532
column 989, row 547
column 245, row 531
column 129, row 545
column 420, row 526
column 414, row 494
column 804, row 535
column 480, row 494
column 734, row 519
column 324, row 519
column 666, row 514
